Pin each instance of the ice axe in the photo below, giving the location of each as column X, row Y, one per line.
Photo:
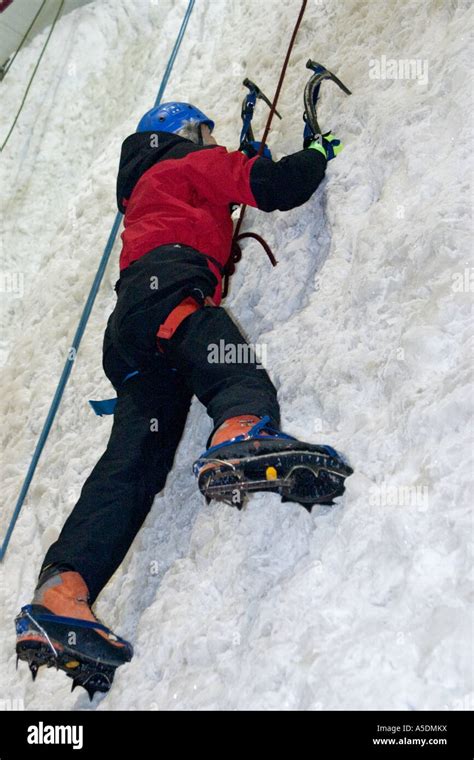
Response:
column 311, row 94
column 248, row 108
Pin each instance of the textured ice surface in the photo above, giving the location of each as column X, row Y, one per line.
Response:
column 366, row 324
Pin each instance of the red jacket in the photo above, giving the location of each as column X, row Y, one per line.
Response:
column 179, row 192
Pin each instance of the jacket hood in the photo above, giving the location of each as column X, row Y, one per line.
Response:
column 141, row 151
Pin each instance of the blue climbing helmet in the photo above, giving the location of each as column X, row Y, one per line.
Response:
column 170, row 117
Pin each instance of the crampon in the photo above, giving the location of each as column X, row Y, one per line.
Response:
column 271, row 461
column 88, row 652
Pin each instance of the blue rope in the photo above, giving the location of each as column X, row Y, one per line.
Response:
column 174, row 53
column 85, row 316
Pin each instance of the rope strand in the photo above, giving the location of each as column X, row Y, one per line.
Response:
column 8, row 63
column 58, row 13
column 236, row 253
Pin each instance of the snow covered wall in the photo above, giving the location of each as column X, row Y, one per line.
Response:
column 366, row 326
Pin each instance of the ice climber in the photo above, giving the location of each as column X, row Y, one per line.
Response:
column 176, row 188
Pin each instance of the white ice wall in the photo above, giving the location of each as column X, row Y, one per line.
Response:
column 365, row 320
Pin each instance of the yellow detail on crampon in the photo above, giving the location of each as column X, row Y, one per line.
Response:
column 271, row 473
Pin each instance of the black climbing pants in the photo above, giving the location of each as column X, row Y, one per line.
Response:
column 153, row 404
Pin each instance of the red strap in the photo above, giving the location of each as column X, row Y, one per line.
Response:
column 175, row 317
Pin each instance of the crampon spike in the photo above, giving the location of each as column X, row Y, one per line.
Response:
column 90, row 690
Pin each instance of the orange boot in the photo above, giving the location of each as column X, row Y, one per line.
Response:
column 66, row 594
column 233, row 427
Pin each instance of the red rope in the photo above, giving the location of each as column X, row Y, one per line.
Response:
column 236, row 252
column 262, row 242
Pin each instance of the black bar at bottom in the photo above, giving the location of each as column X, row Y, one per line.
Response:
column 84, row 733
